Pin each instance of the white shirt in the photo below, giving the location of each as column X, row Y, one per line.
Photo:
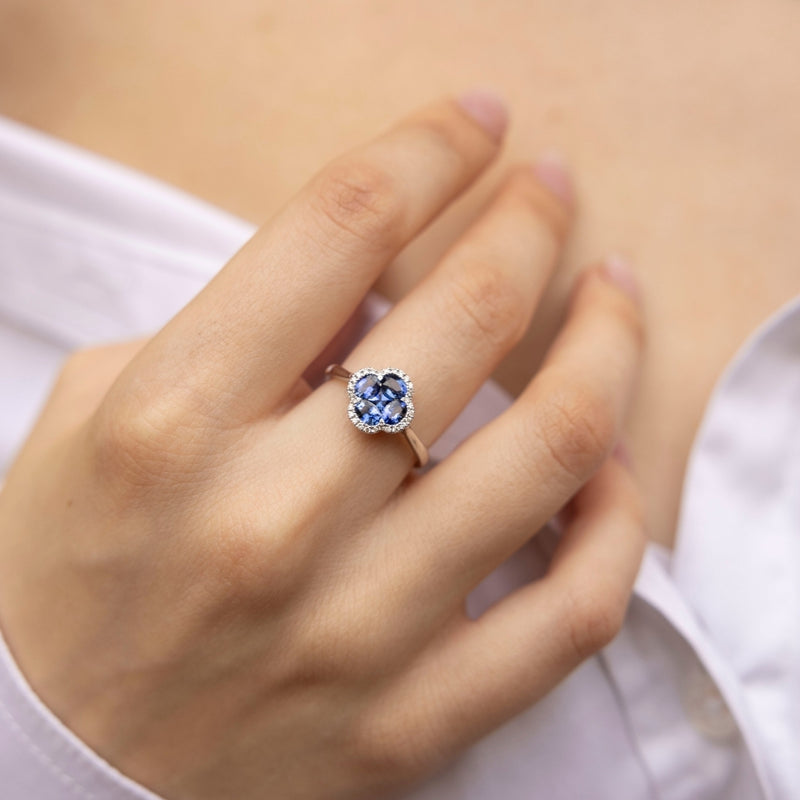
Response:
column 698, row 698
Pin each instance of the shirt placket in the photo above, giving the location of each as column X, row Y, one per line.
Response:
column 683, row 706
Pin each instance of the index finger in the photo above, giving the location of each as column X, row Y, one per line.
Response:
column 240, row 345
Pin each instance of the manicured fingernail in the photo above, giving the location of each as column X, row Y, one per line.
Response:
column 551, row 169
column 488, row 109
column 618, row 271
column 623, row 454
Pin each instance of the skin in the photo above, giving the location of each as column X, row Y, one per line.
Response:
column 198, row 600
column 682, row 141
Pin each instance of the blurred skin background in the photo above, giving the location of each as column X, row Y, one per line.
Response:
column 680, row 119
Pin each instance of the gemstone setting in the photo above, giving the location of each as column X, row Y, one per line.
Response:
column 380, row 400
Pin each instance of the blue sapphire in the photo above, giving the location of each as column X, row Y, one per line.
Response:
column 393, row 412
column 393, row 387
column 368, row 413
column 369, row 387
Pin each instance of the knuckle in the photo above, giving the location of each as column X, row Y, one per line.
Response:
column 360, row 199
column 595, row 616
column 139, row 442
column 487, row 302
column 578, row 426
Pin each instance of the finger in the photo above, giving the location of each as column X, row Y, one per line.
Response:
column 484, row 671
column 477, row 507
column 242, row 342
column 450, row 333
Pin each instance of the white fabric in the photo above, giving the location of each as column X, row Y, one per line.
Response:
column 698, row 698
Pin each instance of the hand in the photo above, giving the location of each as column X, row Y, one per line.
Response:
column 228, row 591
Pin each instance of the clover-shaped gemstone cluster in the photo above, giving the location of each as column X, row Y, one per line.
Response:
column 380, row 400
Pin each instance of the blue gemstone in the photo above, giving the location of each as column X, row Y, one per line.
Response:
column 380, row 401
column 393, row 387
column 368, row 387
column 393, row 412
column 368, row 413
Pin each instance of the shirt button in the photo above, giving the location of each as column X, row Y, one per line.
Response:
column 706, row 708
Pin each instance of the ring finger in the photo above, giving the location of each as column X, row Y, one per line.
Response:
column 450, row 332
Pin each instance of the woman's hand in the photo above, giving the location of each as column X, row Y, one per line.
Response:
column 228, row 591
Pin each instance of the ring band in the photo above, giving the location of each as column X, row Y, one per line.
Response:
column 381, row 400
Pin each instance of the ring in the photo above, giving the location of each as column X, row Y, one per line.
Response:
column 381, row 400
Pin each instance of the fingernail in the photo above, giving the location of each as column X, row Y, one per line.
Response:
column 551, row 169
column 623, row 454
column 488, row 109
column 618, row 271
